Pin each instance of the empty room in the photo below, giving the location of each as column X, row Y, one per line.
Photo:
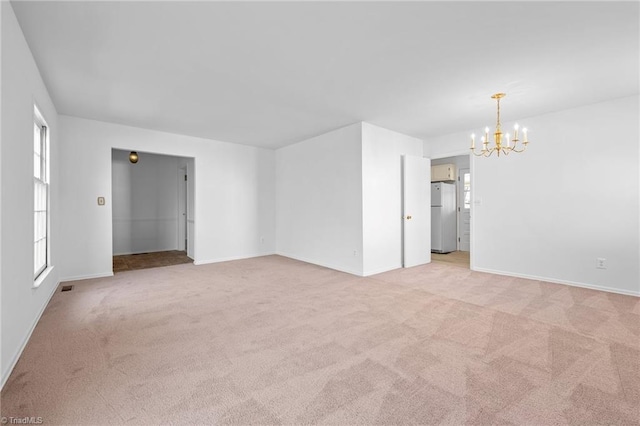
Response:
column 265, row 213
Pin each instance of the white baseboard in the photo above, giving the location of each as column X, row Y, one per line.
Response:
column 381, row 270
column 230, row 258
column 557, row 281
column 128, row 253
column 6, row 374
column 324, row 264
column 87, row 277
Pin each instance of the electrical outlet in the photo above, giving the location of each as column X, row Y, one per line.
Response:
column 601, row 263
column 262, row 240
column 355, row 252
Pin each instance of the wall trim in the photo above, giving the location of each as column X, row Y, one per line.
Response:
column 557, row 281
column 230, row 258
column 87, row 277
column 324, row 265
column 146, row 251
column 382, row 270
column 6, row 374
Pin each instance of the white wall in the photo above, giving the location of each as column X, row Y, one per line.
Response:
column 319, row 200
column 570, row 198
column 382, row 196
column 145, row 202
column 339, row 198
column 22, row 86
column 234, row 185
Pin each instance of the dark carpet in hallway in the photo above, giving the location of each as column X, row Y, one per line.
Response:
column 132, row 262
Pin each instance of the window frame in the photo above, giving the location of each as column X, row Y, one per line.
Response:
column 42, row 180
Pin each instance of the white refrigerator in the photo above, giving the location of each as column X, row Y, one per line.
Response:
column 443, row 217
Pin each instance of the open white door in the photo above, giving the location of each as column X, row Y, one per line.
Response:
column 416, row 211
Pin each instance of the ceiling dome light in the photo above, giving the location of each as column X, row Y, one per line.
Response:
column 133, row 157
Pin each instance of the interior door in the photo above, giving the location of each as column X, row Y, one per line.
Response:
column 416, row 211
column 464, row 210
column 182, row 209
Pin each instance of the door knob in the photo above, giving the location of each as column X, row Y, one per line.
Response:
column 408, row 217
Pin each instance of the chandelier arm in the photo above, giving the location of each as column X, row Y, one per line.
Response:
column 479, row 154
column 524, row 147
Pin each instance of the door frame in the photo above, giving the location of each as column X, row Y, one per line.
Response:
column 190, row 187
column 473, row 198
column 183, row 198
column 461, row 210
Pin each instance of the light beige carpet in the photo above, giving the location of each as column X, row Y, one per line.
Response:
column 275, row 341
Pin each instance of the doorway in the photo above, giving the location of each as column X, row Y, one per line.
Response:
column 151, row 200
column 463, row 181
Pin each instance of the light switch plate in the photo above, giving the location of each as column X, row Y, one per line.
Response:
column 101, row 201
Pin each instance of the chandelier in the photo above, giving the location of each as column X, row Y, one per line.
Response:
column 502, row 142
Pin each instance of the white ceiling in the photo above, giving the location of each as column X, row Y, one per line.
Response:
column 271, row 74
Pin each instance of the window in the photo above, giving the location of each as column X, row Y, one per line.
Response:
column 40, row 195
column 467, row 190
